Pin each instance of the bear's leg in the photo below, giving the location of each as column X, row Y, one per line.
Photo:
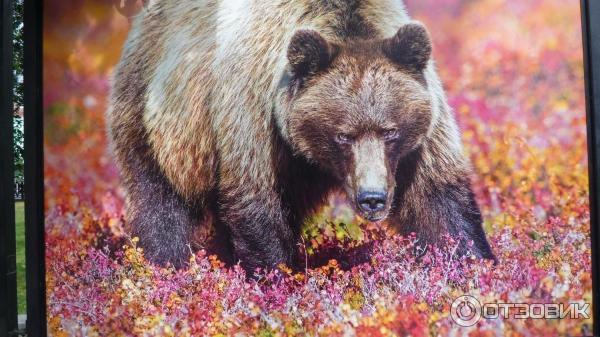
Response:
column 470, row 225
column 432, row 205
column 158, row 216
column 260, row 233
column 449, row 210
column 455, row 208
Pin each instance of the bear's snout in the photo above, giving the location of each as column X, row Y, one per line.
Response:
column 369, row 183
column 372, row 201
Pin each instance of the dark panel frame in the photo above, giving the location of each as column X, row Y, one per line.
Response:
column 34, row 170
column 590, row 15
column 8, row 272
column 36, row 297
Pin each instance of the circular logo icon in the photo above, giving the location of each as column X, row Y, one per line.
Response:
column 466, row 311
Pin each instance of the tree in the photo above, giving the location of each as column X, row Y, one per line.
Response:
column 18, row 140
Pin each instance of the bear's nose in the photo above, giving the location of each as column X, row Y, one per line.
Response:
column 372, row 201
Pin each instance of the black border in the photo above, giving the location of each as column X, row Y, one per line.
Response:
column 590, row 20
column 34, row 169
column 34, row 189
column 8, row 272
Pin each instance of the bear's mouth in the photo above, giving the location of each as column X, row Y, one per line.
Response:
column 373, row 217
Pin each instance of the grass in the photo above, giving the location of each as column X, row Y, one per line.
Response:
column 20, row 237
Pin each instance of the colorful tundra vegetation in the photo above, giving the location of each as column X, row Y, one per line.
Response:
column 514, row 75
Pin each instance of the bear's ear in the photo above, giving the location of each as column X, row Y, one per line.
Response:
column 309, row 53
column 410, row 47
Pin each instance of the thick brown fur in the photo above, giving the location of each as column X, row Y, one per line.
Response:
column 228, row 110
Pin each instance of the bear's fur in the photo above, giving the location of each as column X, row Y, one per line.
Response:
column 250, row 113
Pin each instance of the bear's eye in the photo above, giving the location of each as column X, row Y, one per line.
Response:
column 343, row 138
column 391, row 134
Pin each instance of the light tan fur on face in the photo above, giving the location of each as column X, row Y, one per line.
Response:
column 371, row 173
column 370, row 169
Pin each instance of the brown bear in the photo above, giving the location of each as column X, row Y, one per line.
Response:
column 250, row 113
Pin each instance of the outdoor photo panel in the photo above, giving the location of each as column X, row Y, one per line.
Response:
column 362, row 167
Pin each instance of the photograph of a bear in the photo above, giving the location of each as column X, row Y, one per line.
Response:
column 250, row 113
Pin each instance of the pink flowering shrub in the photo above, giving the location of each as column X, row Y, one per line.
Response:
column 514, row 75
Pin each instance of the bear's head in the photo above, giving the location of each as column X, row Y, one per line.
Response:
column 357, row 109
